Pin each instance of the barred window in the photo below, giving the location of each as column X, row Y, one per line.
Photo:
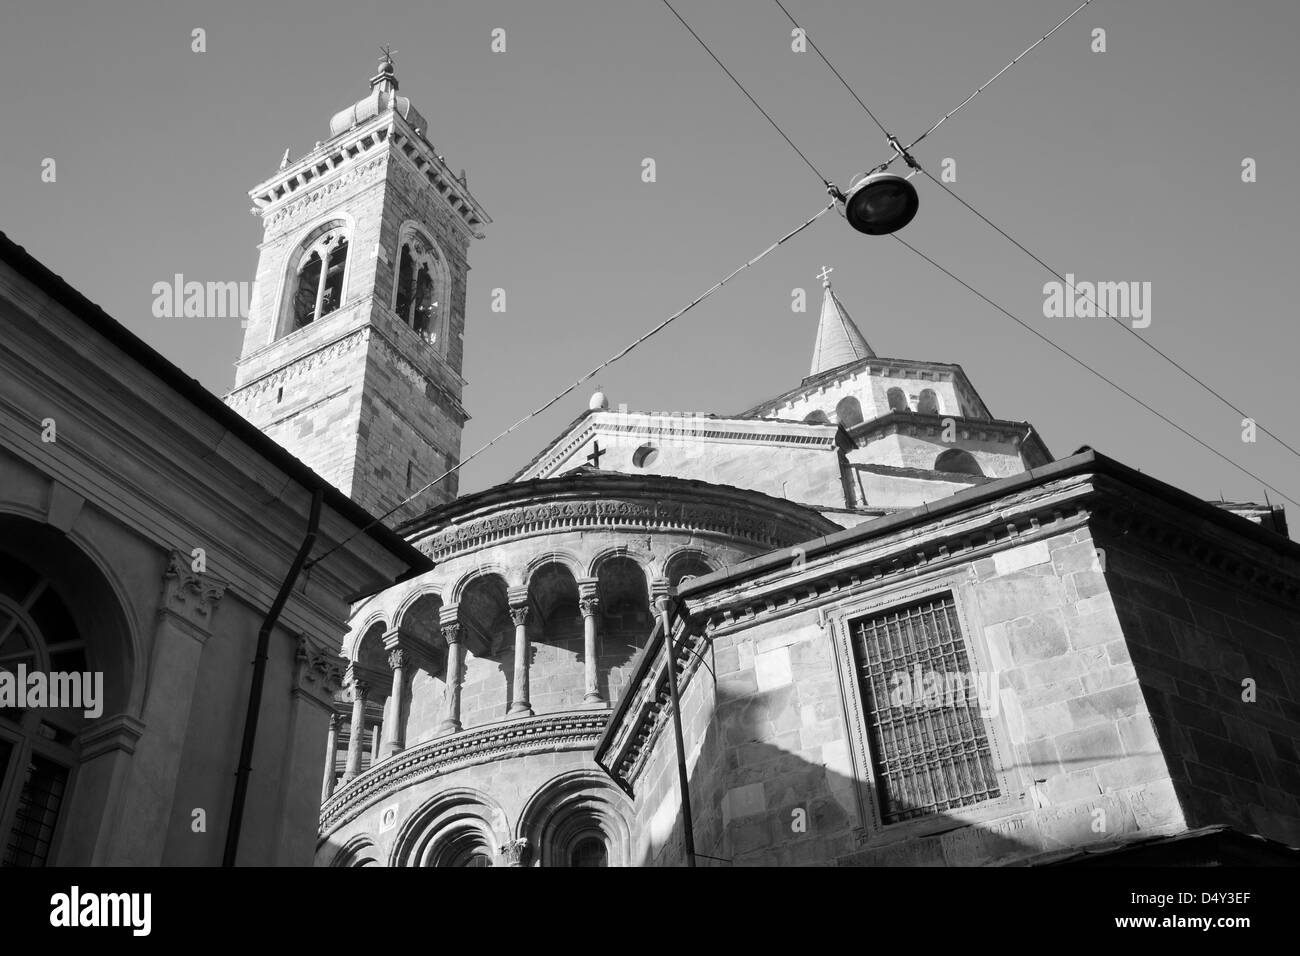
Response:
column 929, row 756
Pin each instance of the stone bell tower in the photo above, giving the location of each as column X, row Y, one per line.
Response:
column 353, row 350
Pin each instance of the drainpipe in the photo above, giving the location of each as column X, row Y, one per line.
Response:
column 688, row 823
column 259, row 677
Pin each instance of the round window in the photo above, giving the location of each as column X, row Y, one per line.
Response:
column 645, row 456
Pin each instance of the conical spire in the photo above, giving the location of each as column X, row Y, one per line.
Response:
column 839, row 341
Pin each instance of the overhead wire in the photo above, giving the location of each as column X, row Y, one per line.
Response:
column 569, row 389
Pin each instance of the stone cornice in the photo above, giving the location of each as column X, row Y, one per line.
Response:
column 545, row 733
column 658, row 505
column 931, row 427
column 876, row 365
column 282, row 199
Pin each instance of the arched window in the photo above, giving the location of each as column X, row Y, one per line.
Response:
column 958, row 462
column 897, row 400
column 927, row 403
column 37, row 745
column 318, row 278
column 848, row 412
column 421, row 288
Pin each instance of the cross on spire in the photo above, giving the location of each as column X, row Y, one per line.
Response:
column 387, row 53
column 825, row 276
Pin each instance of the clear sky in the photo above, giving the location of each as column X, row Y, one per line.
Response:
column 1115, row 166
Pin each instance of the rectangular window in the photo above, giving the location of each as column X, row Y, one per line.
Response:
column 38, row 810
column 930, row 755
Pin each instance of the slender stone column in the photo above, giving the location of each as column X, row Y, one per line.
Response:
column 451, row 698
column 376, row 739
column 358, row 728
column 589, row 605
column 331, row 758
column 395, row 721
column 519, row 706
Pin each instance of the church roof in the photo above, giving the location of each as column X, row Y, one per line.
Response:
column 839, row 341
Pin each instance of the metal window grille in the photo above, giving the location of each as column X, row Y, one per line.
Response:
column 928, row 758
column 38, row 809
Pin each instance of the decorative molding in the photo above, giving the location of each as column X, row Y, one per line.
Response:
column 313, row 202
column 191, row 595
column 546, row 733
column 300, row 365
column 659, row 515
column 317, row 673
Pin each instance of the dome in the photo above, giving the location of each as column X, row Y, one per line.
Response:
column 599, row 401
column 379, row 100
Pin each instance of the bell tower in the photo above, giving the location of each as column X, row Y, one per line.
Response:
column 354, row 343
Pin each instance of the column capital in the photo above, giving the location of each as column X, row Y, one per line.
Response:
column 189, row 595
column 399, row 658
column 358, row 686
column 589, row 605
column 318, row 674
column 519, row 614
column 451, row 632
column 515, row 853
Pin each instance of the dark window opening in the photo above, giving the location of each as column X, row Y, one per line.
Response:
column 589, row 852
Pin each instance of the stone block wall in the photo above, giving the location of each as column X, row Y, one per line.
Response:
column 1203, row 645
column 780, row 773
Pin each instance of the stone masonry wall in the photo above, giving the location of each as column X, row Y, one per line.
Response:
column 1073, row 738
column 1195, row 638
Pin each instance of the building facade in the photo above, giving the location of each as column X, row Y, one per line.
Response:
column 902, row 632
column 128, row 576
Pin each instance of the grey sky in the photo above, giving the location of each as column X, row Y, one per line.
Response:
column 1123, row 165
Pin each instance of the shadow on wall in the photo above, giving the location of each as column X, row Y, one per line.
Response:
column 771, row 787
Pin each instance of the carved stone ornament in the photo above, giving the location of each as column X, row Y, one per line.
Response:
column 193, row 595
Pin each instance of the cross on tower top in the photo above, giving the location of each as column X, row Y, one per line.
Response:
column 825, row 276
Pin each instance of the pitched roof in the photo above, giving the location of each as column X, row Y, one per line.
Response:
column 839, row 341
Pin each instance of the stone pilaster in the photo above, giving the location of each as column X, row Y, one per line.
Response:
column 182, row 626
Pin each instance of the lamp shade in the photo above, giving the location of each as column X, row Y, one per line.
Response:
column 880, row 203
